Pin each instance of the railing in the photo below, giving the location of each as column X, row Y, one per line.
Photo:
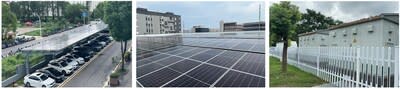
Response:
column 347, row 66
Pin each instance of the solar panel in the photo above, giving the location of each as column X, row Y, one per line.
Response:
column 237, row 79
column 197, row 61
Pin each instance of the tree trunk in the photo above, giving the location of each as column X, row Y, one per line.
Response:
column 122, row 54
column 284, row 56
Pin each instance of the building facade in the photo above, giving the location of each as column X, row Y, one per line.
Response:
column 376, row 31
column 150, row 22
column 314, row 39
column 234, row 26
column 254, row 26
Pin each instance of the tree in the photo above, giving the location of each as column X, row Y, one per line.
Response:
column 99, row 11
column 313, row 21
column 118, row 18
column 283, row 19
column 9, row 20
column 74, row 13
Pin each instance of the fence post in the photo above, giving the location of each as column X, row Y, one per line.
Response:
column 396, row 68
column 298, row 55
column 318, row 55
column 358, row 67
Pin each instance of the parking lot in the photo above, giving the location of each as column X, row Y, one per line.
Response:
column 72, row 55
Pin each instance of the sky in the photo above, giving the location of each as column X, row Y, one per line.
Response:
column 348, row 10
column 209, row 13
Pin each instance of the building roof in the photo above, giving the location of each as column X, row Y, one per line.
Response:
column 145, row 11
column 384, row 16
column 323, row 32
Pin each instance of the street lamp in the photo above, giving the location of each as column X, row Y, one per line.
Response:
column 40, row 25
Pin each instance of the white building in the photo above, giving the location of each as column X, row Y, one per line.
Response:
column 376, row 31
column 313, row 39
column 150, row 22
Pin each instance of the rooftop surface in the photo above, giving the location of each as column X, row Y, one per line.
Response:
column 222, row 59
column 67, row 38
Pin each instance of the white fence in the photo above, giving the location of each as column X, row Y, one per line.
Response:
column 347, row 66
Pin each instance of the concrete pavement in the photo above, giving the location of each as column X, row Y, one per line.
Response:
column 96, row 73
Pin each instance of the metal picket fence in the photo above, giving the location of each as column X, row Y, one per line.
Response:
column 347, row 66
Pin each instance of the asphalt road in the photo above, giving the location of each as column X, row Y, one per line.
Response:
column 95, row 74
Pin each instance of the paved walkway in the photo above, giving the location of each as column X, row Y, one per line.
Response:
column 327, row 85
column 127, row 79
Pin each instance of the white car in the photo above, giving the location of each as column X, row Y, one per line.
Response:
column 62, row 66
column 71, row 62
column 76, row 58
column 38, row 79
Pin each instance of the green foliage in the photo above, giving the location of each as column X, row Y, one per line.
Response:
column 9, row 21
column 313, row 21
column 293, row 78
column 116, row 74
column 99, row 11
column 10, row 63
column 25, row 10
column 283, row 19
column 74, row 13
column 118, row 17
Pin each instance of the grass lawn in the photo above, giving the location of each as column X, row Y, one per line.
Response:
column 293, row 78
column 10, row 63
column 33, row 33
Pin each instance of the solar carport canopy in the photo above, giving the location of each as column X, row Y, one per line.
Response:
column 220, row 59
column 58, row 42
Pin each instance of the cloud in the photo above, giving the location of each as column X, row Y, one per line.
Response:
column 209, row 13
column 349, row 10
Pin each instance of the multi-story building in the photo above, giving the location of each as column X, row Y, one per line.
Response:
column 230, row 26
column 254, row 26
column 234, row 26
column 376, row 31
column 151, row 22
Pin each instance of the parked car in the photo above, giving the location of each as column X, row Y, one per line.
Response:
column 71, row 62
column 38, row 79
column 53, row 73
column 62, row 66
column 76, row 58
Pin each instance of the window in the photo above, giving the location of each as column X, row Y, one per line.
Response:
column 370, row 28
column 389, row 39
column 333, row 34
column 34, row 78
column 354, row 30
column 344, row 33
column 390, row 32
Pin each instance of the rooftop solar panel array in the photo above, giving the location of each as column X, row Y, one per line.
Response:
column 196, row 61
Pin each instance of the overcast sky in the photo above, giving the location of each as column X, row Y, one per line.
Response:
column 209, row 13
column 349, row 10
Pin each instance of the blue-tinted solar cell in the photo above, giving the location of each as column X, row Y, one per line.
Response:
column 158, row 78
column 223, row 61
column 207, row 73
column 237, row 79
column 243, row 46
column 252, row 63
column 190, row 53
column 186, row 52
column 184, row 65
column 156, row 57
column 169, row 60
column 147, row 69
column 186, row 81
column 142, row 62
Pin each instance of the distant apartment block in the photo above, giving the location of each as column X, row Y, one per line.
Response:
column 234, row 26
column 197, row 29
column 376, row 31
column 151, row 22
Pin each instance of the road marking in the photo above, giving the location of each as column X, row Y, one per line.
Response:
column 84, row 66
